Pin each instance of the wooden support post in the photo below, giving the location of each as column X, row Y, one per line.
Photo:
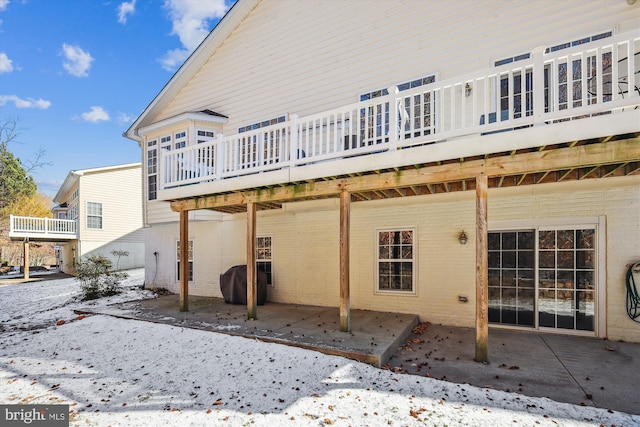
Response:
column 252, row 273
column 345, row 302
column 482, row 272
column 25, row 259
column 184, row 260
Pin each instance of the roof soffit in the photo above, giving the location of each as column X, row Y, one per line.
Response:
column 196, row 117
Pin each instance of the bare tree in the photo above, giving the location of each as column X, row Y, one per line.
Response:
column 9, row 133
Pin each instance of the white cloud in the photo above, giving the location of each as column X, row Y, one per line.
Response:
column 190, row 22
column 174, row 58
column 77, row 61
column 125, row 9
column 3, row 4
column 25, row 103
column 124, row 118
column 95, row 115
column 6, row 65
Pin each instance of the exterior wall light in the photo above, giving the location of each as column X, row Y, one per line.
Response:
column 462, row 238
column 467, row 90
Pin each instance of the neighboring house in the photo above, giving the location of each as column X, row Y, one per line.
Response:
column 350, row 149
column 98, row 211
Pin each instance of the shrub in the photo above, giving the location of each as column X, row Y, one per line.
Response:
column 97, row 279
column 119, row 253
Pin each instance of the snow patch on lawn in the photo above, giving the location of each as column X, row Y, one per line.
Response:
column 116, row 371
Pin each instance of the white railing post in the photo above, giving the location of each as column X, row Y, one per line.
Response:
column 293, row 147
column 11, row 226
column 395, row 120
column 631, row 75
column 220, row 154
column 538, row 85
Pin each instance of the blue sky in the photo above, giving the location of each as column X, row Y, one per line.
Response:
column 76, row 73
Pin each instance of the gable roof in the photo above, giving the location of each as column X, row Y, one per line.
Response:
column 192, row 65
column 74, row 175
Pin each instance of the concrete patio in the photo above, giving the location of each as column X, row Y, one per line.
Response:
column 573, row 369
column 374, row 335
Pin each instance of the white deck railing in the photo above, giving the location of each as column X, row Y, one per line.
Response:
column 600, row 77
column 33, row 227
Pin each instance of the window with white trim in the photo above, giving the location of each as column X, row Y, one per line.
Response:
column 263, row 124
column 152, row 169
column 165, row 142
column 94, row 215
column 205, row 135
column 190, row 256
column 374, row 120
column 264, row 256
column 180, row 139
column 396, row 262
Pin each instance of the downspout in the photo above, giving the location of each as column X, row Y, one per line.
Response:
column 140, row 140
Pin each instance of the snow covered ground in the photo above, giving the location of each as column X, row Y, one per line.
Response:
column 130, row 373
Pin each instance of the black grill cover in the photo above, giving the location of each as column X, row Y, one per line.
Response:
column 233, row 284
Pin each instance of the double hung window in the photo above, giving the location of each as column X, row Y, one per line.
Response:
column 396, row 262
column 190, row 257
column 94, row 215
column 264, row 257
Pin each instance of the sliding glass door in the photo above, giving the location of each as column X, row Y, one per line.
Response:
column 543, row 278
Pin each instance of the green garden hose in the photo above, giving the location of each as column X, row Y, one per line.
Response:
column 633, row 297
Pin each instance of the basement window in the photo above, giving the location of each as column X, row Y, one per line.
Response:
column 264, row 257
column 190, row 255
column 396, row 266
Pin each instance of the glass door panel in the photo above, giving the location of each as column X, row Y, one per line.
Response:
column 566, row 279
column 512, row 278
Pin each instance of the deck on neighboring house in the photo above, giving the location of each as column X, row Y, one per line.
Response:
column 42, row 229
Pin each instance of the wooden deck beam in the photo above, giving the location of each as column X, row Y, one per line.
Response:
column 627, row 150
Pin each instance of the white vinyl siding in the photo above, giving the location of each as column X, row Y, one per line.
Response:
column 119, row 189
column 307, row 38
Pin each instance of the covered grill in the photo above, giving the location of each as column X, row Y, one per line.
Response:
column 233, row 284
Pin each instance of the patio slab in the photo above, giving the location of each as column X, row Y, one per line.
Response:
column 374, row 337
column 573, row 369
